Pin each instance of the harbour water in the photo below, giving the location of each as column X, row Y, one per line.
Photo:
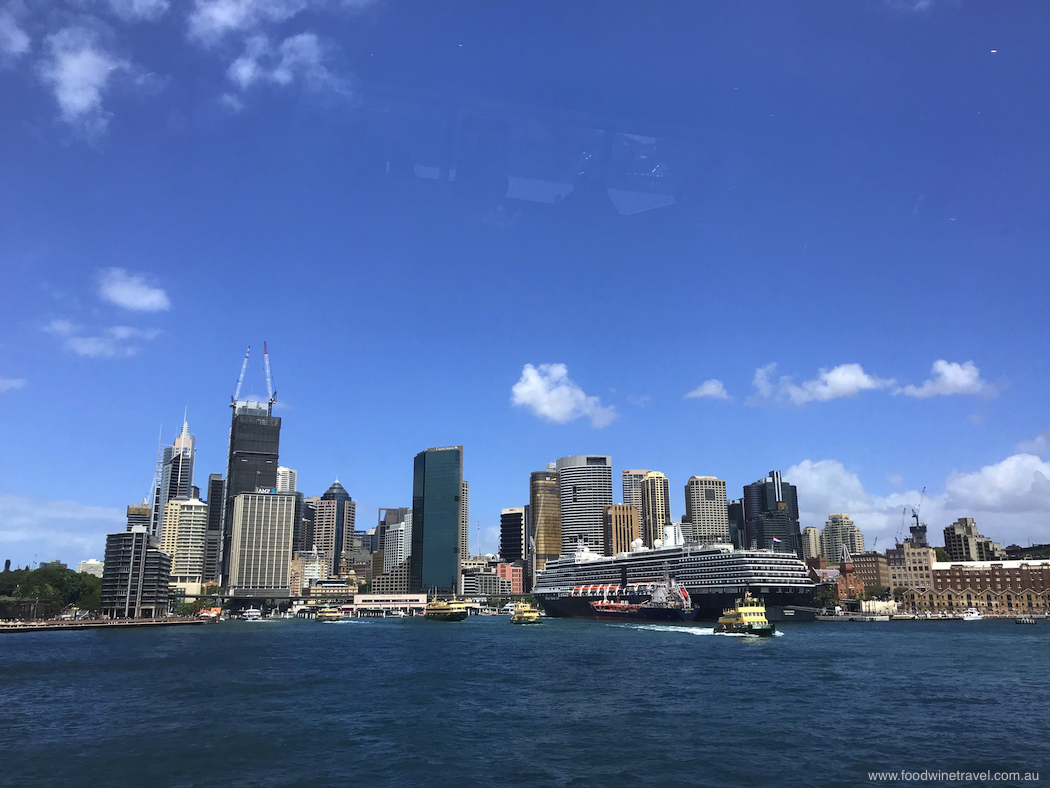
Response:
column 483, row 703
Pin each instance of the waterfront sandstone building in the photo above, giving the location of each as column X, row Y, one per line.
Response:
column 996, row 587
column 134, row 576
column 706, row 508
column 437, row 484
column 545, row 520
column 584, row 490
column 621, row 528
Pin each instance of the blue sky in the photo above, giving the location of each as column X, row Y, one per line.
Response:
column 533, row 229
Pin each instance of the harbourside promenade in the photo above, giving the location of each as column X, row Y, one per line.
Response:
column 53, row 626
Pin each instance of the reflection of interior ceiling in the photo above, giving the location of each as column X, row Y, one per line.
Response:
column 524, row 153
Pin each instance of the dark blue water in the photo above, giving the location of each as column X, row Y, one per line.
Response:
column 484, row 703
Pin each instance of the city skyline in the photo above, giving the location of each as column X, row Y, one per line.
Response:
column 864, row 233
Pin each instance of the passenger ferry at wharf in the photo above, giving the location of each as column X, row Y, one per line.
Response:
column 715, row 576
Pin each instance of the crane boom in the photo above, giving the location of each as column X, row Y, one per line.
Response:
column 270, row 393
column 240, row 379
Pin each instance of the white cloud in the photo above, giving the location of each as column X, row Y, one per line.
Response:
column 131, row 291
column 68, row 530
column 1002, row 498
column 1020, row 483
column 113, row 342
column 136, row 10
column 232, row 102
column 78, row 70
column 639, row 400
column 14, row 41
column 213, row 19
column 713, row 389
column 549, row 393
column 949, row 377
column 7, row 384
column 301, row 57
column 845, row 380
column 1037, row 445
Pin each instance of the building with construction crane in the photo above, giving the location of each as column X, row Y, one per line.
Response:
column 252, row 460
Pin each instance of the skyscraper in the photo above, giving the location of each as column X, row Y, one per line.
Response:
column 184, row 538
column 765, row 497
column 707, row 509
column 261, row 545
column 584, row 490
column 437, row 484
column 398, row 545
column 632, row 491
column 174, row 475
column 333, row 526
column 656, row 507
column 621, row 528
column 286, row 479
column 964, row 543
column 513, row 533
column 464, row 521
column 544, row 520
column 213, row 539
column 251, row 462
column 810, row 542
column 840, row 530
column 735, row 513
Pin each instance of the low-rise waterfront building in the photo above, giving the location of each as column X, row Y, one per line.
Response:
column 393, row 581
column 911, row 565
column 873, row 570
column 996, row 587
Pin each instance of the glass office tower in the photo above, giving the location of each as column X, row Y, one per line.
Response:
column 436, row 483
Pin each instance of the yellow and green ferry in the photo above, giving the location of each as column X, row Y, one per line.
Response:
column 748, row 617
column 445, row 610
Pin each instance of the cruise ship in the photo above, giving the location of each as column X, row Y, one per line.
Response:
column 714, row 575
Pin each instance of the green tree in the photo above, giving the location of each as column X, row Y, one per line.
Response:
column 942, row 554
column 91, row 600
column 827, row 596
column 875, row 592
column 194, row 607
column 899, row 592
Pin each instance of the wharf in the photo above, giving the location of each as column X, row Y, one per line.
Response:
column 53, row 626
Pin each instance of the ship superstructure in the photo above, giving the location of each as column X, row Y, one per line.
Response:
column 714, row 576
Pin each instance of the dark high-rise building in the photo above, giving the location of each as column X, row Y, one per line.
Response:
column 252, row 461
column 134, row 576
column 735, row 511
column 778, row 499
column 513, row 534
column 334, row 525
column 436, row 485
column 213, row 537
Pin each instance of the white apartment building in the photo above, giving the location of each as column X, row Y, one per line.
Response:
column 585, row 489
column 706, row 509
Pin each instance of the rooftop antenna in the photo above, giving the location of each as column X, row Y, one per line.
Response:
column 240, row 379
column 270, row 393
